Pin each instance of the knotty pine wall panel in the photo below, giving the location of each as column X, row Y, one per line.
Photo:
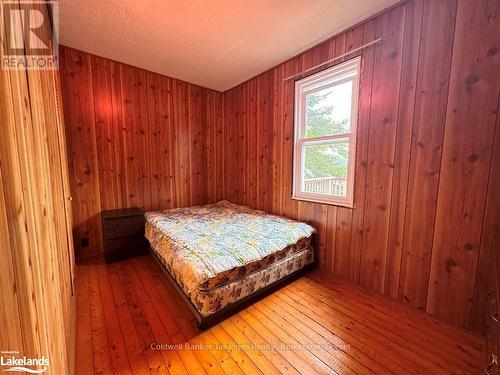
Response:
column 381, row 147
column 82, row 147
column 426, row 145
column 136, row 139
column 36, row 271
column 427, row 112
column 471, row 114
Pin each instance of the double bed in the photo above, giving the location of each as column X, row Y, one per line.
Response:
column 222, row 254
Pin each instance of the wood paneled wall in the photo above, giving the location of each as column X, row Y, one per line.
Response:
column 136, row 139
column 425, row 213
column 426, row 196
column 36, row 250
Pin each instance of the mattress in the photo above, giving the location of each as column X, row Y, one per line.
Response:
column 213, row 251
column 208, row 302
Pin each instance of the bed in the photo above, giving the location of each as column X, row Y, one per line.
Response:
column 221, row 255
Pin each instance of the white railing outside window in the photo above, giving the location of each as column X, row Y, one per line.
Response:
column 326, row 186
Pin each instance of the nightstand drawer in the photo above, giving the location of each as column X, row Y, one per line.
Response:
column 123, row 233
column 123, row 248
column 114, row 228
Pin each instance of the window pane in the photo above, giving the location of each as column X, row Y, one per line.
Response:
column 325, row 168
column 328, row 111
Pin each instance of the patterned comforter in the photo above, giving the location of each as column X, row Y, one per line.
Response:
column 207, row 247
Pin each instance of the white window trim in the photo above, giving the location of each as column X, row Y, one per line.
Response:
column 336, row 74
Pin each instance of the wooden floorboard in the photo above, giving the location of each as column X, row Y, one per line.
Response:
column 131, row 321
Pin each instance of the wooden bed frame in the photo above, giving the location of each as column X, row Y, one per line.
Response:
column 205, row 322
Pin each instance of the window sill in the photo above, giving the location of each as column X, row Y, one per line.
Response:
column 323, row 201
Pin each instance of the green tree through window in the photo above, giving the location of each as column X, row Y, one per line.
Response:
column 324, row 160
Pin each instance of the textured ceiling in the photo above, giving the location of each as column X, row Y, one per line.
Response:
column 212, row 43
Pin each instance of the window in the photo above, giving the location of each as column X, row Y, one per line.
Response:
column 325, row 135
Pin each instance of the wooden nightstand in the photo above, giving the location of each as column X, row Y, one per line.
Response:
column 123, row 233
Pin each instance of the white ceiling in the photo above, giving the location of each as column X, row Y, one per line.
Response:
column 212, row 43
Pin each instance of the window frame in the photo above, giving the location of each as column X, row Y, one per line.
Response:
column 332, row 76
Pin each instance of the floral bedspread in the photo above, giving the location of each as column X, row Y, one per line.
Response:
column 198, row 243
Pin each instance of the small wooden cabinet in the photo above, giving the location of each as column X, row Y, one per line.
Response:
column 123, row 233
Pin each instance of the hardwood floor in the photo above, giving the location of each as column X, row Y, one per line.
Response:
column 131, row 321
